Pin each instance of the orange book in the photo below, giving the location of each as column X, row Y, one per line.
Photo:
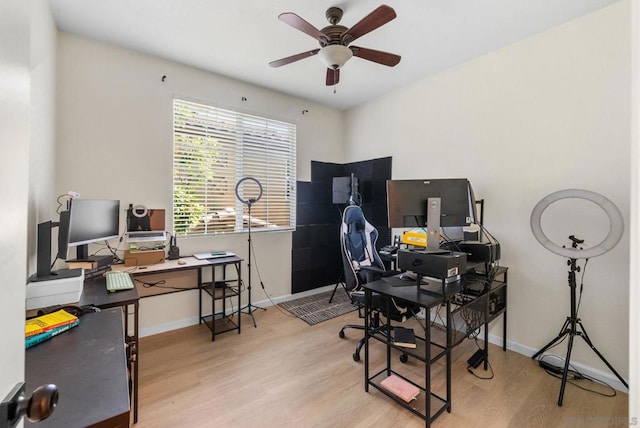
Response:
column 400, row 387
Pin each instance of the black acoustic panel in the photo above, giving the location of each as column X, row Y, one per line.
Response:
column 301, row 259
column 316, row 254
column 379, row 192
column 320, row 235
column 301, row 237
column 367, row 210
column 303, row 192
column 382, row 169
column 321, row 192
column 301, row 281
column 323, row 171
column 304, row 214
column 365, row 190
column 379, row 216
column 363, row 170
column 384, row 237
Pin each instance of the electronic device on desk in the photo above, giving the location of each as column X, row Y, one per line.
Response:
column 117, row 281
column 84, row 222
column 145, row 225
column 434, row 264
column 174, row 250
column 213, row 255
column 388, row 250
column 480, row 252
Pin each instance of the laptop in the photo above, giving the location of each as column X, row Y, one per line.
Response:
column 213, row 255
column 145, row 225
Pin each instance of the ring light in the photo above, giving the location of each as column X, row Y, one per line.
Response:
column 250, row 200
column 139, row 211
column 616, row 224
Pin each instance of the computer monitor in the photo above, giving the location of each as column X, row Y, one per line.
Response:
column 407, row 202
column 87, row 221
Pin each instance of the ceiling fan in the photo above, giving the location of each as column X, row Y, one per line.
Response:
column 334, row 40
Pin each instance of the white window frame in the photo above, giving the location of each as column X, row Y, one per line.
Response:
column 213, row 149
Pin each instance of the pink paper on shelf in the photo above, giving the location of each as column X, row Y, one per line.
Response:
column 400, row 388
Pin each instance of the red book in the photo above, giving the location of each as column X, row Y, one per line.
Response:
column 401, row 388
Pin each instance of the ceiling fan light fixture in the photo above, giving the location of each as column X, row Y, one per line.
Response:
column 335, row 56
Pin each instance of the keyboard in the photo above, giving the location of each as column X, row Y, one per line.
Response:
column 118, row 281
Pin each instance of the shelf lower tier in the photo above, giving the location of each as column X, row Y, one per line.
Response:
column 418, row 406
column 220, row 290
column 219, row 323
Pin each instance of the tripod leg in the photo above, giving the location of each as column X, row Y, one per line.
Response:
column 585, row 336
column 340, row 282
column 565, row 372
column 563, row 331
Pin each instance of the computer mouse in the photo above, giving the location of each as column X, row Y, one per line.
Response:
column 182, row 262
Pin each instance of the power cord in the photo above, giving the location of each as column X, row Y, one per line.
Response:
column 470, row 368
column 255, row 263
column 573, row 375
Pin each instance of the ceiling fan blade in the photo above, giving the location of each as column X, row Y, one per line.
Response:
column 300, row 24
column 293, row 58
column 333, row 76
column 384, row 58
column 375, row 19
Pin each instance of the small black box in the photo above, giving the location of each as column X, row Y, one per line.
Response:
column 434, row 264
column 483, row 252
column 477, row 358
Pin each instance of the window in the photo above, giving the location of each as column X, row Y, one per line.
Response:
column 212, row 150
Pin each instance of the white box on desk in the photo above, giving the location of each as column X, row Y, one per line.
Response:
column 41, row 294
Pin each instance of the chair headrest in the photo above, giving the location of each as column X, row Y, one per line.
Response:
column 354, row 217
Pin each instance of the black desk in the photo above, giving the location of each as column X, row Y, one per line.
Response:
column 486, row 305
column 95, row 294
column 398, row 289
column 88, row 364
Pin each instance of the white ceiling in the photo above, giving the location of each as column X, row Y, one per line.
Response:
column 239, row 38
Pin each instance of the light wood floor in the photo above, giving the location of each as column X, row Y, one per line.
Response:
column 285, row 373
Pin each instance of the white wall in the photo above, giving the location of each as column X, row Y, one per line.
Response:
column 548, row 113
column 115, row 141
column 634, row 295
column 27, row 82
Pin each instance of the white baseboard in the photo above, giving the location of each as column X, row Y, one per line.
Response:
column 600, row 375
column 187, row 322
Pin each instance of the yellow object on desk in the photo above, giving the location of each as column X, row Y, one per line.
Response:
column 413, row 237
column 48, row 322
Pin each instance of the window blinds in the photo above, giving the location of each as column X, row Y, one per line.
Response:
column 213, row 149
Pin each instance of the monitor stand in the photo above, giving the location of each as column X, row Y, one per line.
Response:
column 56, row 274
column 433, row 224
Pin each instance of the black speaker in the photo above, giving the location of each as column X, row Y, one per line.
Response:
column 174, row 251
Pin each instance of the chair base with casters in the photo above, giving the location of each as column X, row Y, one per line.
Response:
column 378, row 328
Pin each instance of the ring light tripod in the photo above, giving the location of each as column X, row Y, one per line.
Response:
column 573, row 325
column 249, row 202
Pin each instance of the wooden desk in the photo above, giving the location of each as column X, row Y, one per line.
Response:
column 95, row 294
column 221, row 290
column 89, row 366
column 181, row 277
column 171, row 271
